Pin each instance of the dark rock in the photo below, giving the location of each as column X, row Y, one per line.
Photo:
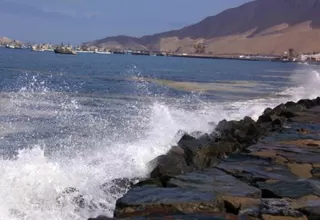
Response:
column 316, row 172
column 310, row 207
column 307, row 103
column 208, row 137
column 298, row 107
column 277, row 122
column 171, row 164
column 186, row 137
column 202, row 153
column 169, row 199
column 296, row 151
column 265, row 118
column 245, row 131
column 268, row 111
column 253, row 169
column 161, row 214
column 285, row 189
column 302, row 131
column 290, row 104
column 278, row 109
column 117, row 186
column 287, row 114
column 248, row 207
column 214, row 180
column 100, row 218
column 278, row 207
column 161, row 181
column 74, row 196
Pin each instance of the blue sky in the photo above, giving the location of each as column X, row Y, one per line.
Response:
column 76, row 21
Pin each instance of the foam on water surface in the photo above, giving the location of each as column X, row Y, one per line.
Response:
column 90, row 148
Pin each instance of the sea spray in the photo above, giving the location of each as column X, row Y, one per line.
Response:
column 70, row 143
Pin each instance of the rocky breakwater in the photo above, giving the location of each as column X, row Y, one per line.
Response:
column 264, row 169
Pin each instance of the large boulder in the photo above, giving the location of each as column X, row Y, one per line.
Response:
column 171, row 164
column 245, row 131
column 203, row 153
column 147, row 199
column 215, row 180
column 289, row 189
column 117, row 186
column 101, row 217
column 252, row 169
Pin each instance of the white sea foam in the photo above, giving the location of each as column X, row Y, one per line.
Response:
column 31, row 183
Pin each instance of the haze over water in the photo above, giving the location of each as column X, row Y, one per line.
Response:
column 83, row 121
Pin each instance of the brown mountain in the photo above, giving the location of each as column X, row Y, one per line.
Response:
column 261, row 26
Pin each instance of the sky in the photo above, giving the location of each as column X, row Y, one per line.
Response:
column 77, row 21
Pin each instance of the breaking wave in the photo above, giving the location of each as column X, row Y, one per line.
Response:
column 63, row 140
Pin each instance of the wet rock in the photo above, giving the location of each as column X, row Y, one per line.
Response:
column 161, row 181
column 307, row 103
column 310, row 206
column 302, row 131
column 297, row 107
column 273, row 217
column 287, row 114
column 214, row 180
column 171, row 164
column 311, row 210
column 272, row 209
column 187, row 137
column 265, row 118
column 245, row 131
column 316, row 172
column 288, row 110
column 100, row 218
column 117, row 186
column 202, row 153
column 72, row 194
column 278, row 121
column 298, row 151
column 253, row 169
column 169, row 200
column 79, row 201
column 278, row 109
column 285, row 189
column 160, row 214
column 248, row 207
column 281, row 207
column 242, row 206
column 268, row 111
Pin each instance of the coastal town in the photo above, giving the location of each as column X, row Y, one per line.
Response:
column 199, row 52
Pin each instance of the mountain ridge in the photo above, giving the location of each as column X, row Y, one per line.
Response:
column 253, row 17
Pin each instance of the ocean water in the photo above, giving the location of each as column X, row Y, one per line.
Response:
column 83, row 121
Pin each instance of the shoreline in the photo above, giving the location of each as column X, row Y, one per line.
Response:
column 256, row 58
column 236, row 171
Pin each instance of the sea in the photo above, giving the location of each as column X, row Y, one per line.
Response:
column 84, row 121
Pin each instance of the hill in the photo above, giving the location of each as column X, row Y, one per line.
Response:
column 5, row 40
column 261, row 26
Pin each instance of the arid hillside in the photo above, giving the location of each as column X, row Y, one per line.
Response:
column 261, row 26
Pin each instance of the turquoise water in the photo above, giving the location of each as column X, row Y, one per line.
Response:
column 82, row 121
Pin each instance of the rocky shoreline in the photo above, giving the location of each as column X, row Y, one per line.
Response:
column 268, row 169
